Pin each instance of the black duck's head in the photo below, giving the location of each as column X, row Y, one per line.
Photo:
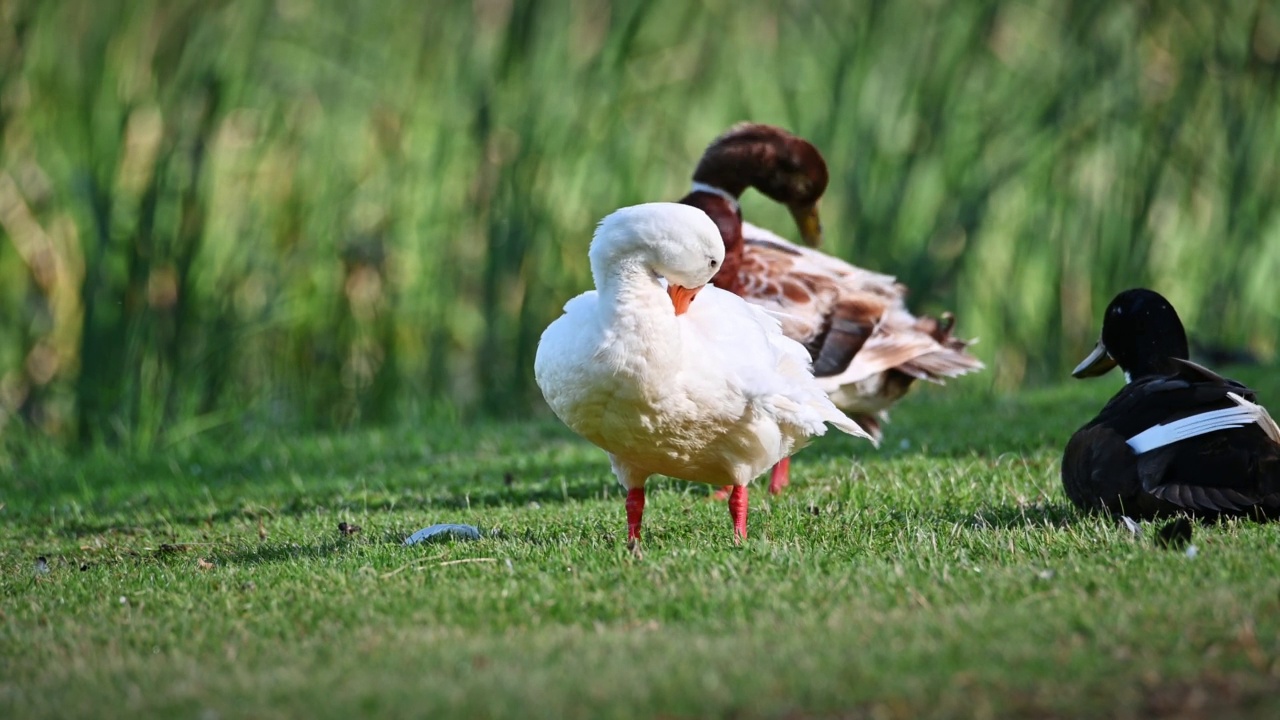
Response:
column 1140, row 333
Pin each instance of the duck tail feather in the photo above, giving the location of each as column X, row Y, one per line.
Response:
column 1260, row 416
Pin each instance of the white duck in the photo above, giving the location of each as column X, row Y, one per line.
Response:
column 708, row 391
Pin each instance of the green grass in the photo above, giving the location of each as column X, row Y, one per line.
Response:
column 945, row 575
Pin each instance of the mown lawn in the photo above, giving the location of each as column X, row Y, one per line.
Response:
column 945, row 575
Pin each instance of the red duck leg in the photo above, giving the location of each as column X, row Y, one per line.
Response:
column 635, row 510
column 738, row 511
column 780, row 476
column 722, row 493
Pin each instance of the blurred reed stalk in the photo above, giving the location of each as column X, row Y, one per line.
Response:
column 302, row 214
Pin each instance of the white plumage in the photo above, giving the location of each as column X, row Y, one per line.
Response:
column 715, row 395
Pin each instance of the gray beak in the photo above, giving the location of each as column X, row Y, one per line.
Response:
column 1098, row 363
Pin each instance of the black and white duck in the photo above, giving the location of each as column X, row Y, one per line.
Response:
column 1177, row 438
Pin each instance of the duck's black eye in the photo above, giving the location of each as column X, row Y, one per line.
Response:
column 714, row 263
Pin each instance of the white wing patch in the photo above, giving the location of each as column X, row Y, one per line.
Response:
column 1160, row 435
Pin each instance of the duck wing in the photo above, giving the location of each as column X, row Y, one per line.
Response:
column 564, row 353
column 1199, row 441
column 1190, row 390
column 747, row 345
column 853, row 322
column 1220, row 473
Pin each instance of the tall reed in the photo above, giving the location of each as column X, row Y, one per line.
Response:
column 300, row 213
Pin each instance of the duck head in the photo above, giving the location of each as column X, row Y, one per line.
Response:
column 676, row 242
column 780, row 165
column 1141, row 332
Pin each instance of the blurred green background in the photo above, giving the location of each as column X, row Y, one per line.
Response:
column 305, row 214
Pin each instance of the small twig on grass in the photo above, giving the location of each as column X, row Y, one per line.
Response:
column 419, row 564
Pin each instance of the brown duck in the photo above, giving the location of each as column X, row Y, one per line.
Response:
column 867, row 348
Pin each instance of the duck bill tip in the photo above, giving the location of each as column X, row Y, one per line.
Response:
column 681, row 297
column 1098, row 362
column 809, row 222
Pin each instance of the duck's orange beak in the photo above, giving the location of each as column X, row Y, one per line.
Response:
column 681, row 297
column 809, row 223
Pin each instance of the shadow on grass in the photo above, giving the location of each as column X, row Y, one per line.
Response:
column 938, row 425
column 559, row 534
column 558, row 484
column 1047, row 515
column 268, row 553
column 1037, row 515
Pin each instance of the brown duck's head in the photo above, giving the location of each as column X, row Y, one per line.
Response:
column 787, row 169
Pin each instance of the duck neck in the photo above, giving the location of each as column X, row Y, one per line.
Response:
column 633, row 301
column 1150, row 352
column 1148, row 367
column 720, row 207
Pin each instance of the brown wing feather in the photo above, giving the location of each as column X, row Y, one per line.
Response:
column 854, row 322
column 848, row 327
column 803, row 301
